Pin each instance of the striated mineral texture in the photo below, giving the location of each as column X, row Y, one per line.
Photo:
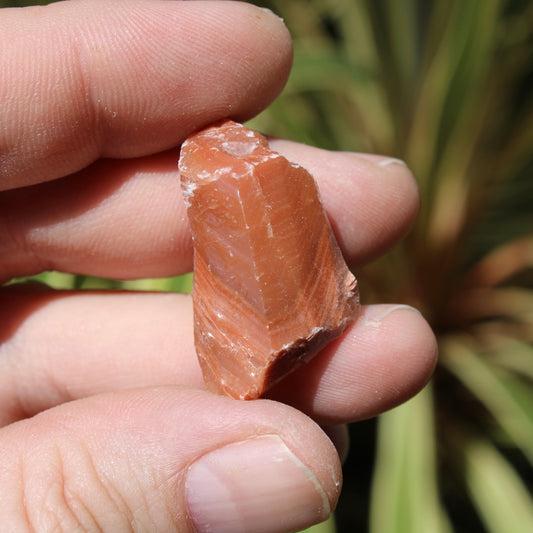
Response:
column 271, row 288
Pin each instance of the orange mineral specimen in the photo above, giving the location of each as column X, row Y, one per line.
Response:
column 271, row 288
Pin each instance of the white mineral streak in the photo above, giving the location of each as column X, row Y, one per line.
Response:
column 239, row 148
column 187, row 191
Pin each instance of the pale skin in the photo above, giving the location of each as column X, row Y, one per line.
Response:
column 105, row 423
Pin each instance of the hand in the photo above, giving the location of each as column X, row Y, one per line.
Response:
column 105, row 423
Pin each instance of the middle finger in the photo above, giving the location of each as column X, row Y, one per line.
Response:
column 126, row 219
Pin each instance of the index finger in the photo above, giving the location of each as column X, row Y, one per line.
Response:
column 84, row 80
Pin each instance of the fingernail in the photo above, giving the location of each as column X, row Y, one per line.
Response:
column 391, row 161
column 270, row 12
column 255, row 485
column 377, row 319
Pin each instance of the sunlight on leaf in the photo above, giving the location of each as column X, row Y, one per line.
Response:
column 510, row 403
column 503, row 501
column 405, row 494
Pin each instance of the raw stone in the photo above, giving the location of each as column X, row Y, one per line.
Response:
column 271, row 287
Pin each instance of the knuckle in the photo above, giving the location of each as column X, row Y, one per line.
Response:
column 47, row 499
column 61, row 492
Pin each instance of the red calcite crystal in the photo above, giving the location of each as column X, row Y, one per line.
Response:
column 271, row 288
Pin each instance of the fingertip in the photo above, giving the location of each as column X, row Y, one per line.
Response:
column 380, row 201
column 396, row 356
column 382, row 360
column 401, row 187
column 277, row 62
column 415, row 345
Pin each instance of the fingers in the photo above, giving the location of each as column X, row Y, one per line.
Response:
column 167, row 460
column 384, row 359
column 124, row 79
column 126, row 219
column 57, row 347
column 117, row 219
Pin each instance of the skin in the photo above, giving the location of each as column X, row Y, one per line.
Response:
column 102, row 405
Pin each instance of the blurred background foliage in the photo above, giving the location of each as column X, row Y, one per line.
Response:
column 446, row 86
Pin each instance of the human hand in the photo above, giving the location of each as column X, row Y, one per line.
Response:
column 105, row 423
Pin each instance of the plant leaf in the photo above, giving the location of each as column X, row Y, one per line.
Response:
column 502, row 500
column 404, row 491
column 503, row 395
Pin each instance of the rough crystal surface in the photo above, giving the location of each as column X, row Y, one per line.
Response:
column 271, row 288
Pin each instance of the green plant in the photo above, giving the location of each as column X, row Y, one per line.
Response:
column 444, row 86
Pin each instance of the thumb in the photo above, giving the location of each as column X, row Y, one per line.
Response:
column 166, row 460
column 91, row 79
